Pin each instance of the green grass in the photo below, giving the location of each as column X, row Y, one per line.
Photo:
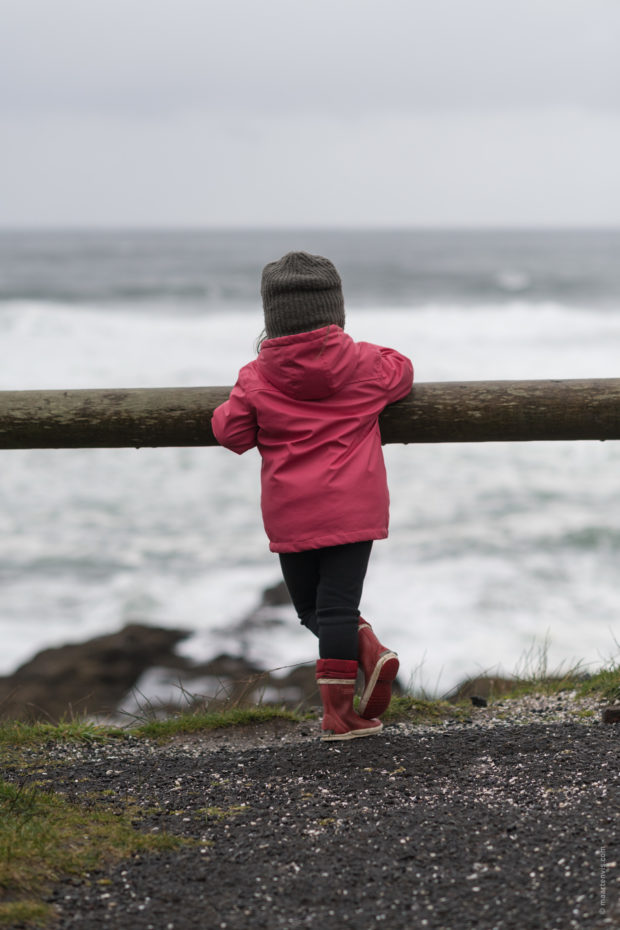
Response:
column 24, row 913
column 533, row 675
column 44, row 837
column 606, row 682
column 213, row 720
column 423, row 710
column 16, row 733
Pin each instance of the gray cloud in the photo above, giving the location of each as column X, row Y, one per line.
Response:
column 291, row 55
column 318, row 111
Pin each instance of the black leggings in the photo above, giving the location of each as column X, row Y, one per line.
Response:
column 326, row 588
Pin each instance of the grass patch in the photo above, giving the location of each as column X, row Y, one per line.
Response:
column 44, row 837
column 212, row 720
column 20, row 913
column 606, row 682
column 19, row 733
column 423, row 710
column 220, row 813
column 15, row 733
column 533, row 675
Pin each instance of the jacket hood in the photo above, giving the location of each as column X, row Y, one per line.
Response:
column 311, row 365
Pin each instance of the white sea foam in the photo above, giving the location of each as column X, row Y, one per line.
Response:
column 494, row 548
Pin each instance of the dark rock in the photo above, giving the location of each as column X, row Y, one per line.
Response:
column 478, row 701
column 87, row 678
column 276, row 596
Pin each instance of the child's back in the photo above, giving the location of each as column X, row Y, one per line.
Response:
column 310, row 402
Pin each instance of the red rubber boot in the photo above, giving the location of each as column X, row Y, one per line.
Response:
column 336, row 681
column 380, row 666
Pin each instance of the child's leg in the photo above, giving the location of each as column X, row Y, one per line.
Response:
column 328, row 581
column 342, row 572
column 326, row 587
column 300, row 571
column 344, row 635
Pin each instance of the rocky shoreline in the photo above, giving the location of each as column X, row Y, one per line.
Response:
column 104, row 677
column 507, row 821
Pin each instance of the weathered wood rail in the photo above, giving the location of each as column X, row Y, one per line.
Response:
column 434, row 412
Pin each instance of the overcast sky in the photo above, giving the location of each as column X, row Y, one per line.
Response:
column 309, row 112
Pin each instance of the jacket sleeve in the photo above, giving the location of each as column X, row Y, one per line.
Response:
column 234, row 422
column 396, row 374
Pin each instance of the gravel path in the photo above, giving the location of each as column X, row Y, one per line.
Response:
column 509, row 821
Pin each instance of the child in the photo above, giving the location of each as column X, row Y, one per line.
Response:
column 311, row 402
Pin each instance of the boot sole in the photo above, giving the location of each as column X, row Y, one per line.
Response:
column 352, row 734
column 378, row 691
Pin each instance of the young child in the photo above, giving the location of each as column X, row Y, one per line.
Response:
column 311, row 402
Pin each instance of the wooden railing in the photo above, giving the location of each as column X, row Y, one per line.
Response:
column 434, row 412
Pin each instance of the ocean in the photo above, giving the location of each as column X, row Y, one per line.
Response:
column 501, row 556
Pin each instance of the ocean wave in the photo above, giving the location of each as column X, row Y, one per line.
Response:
column 386, row 267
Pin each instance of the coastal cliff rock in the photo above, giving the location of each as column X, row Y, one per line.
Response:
column 85, row 678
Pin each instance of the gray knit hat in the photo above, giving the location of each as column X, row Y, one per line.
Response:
column 301, row 292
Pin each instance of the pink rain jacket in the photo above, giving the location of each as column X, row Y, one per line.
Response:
column 311, row 403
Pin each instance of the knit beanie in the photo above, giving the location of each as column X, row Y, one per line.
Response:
column 301, row 292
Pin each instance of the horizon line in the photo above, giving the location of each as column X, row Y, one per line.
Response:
column 311, row 227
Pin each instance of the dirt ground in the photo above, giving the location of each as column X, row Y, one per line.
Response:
column 509, row 824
